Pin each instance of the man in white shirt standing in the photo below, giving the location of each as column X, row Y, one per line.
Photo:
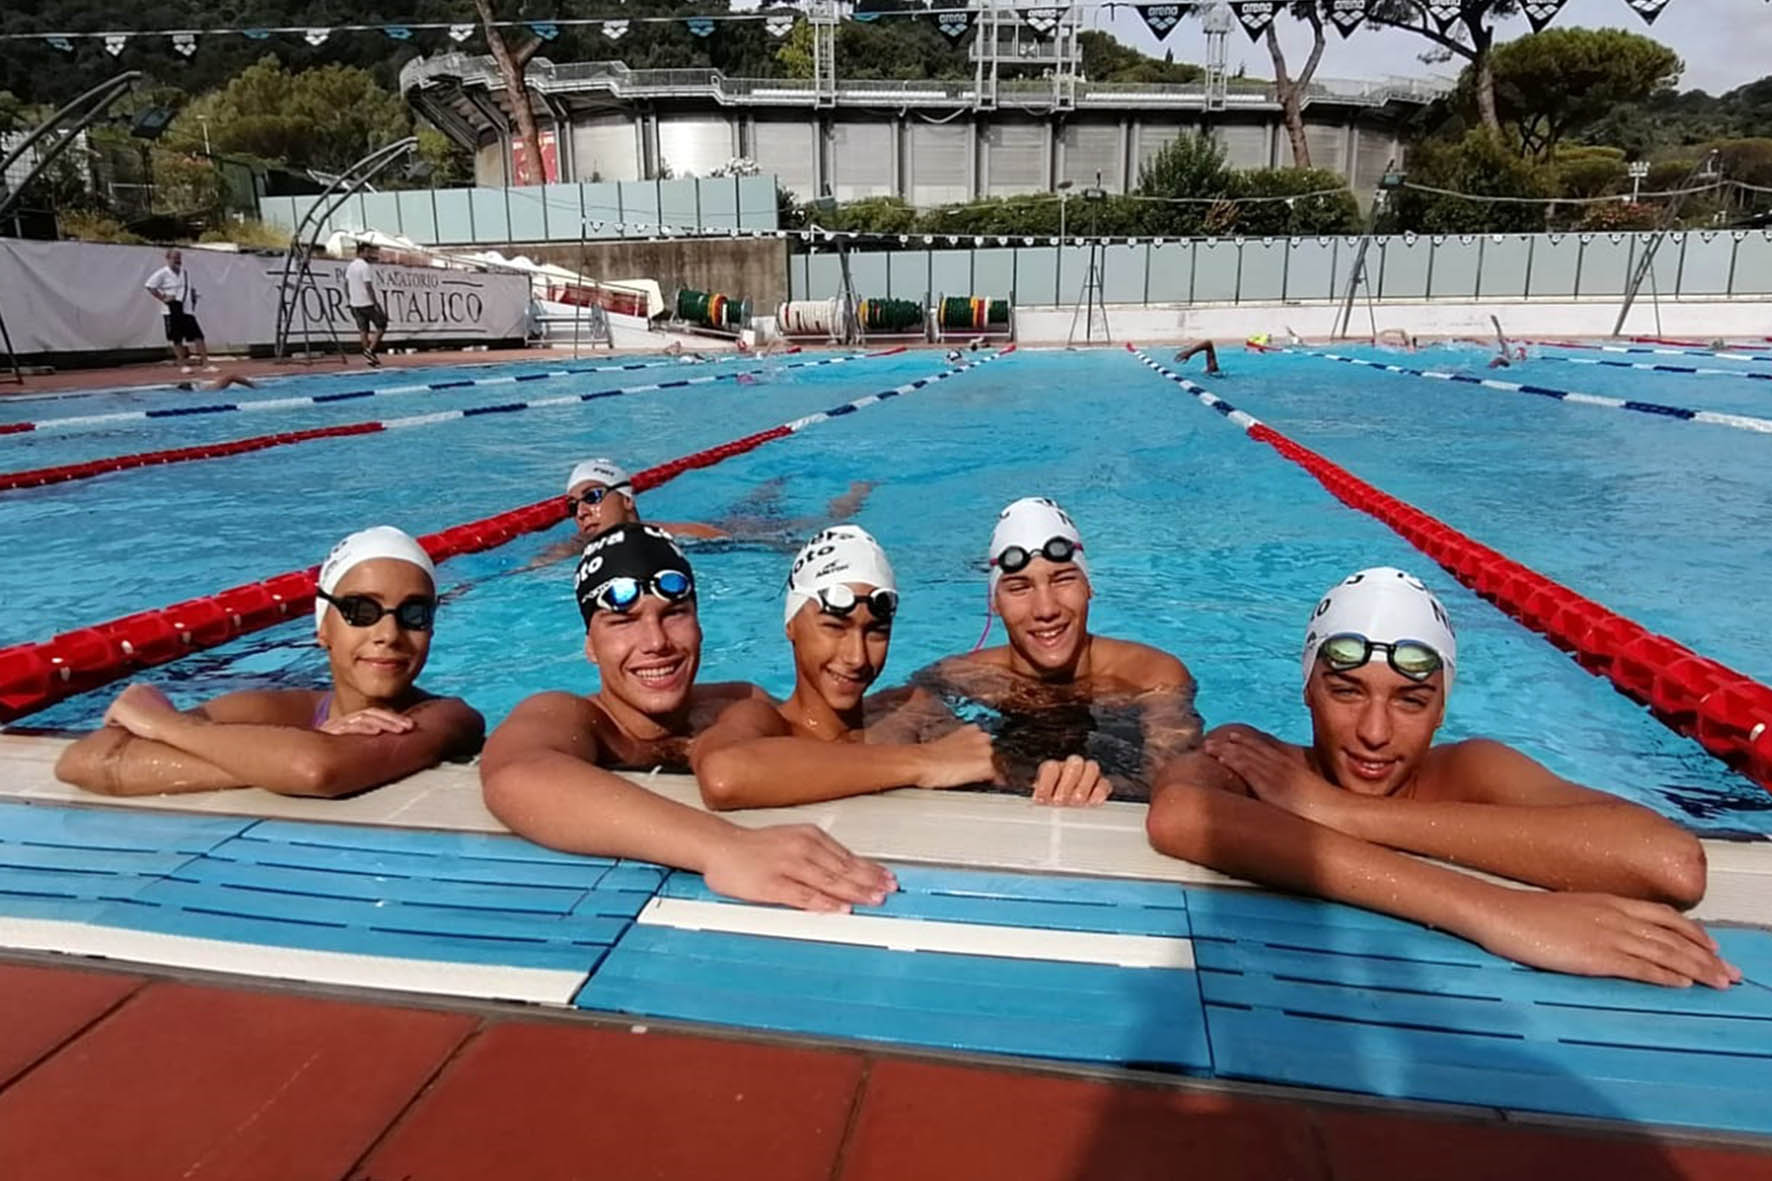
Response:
column 171, row 285
column 372, row 319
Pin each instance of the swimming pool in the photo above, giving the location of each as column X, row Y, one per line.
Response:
column 1200, row 542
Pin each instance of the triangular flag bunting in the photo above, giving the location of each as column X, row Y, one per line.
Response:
column 1647, row 9
column 1255, row 15
column 1043, row 21
column 615, row 30
column 955, row 25
column 778, row 24
column 316, row 36
column 1445, row 12
column 114, row 43
column 398, row 32
column 1346, row 15
column 1540, row 13
column 700, row 26
column 1161, row 19
column 460, row 33
column 546, row 30
column 57, row 41
column 185, row 43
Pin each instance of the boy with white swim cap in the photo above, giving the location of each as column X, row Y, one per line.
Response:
column 549, row 769
column 374, row 608
column 1053, row 668
column 1337, row 817
column 841, row 599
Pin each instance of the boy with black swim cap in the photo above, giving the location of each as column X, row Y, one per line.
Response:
column 1337, row 817
column 544, row 769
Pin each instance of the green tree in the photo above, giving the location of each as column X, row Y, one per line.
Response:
column 1187, row 166
column 1107, row 60
column 1479, row 164
column 1291, row 88
column 325, row 118
column 1470, row 35
column 1558, row 82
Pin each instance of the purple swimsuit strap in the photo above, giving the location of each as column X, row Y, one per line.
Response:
column 321, row 711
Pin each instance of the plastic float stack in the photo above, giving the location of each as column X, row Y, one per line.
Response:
column 973, row 314
column 712, row 310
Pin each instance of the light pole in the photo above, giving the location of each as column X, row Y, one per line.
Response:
column 204, row 120
column 1064, row 193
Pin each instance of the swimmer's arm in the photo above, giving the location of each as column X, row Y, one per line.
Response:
column 113, row 762
column 694, row 530
column 1170, row 723
column 1498, row 810
column 559, row 551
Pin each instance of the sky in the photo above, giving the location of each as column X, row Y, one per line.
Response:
column 1724, row 43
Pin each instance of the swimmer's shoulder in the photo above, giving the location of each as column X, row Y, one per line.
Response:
column 1139, row 665
column 554, row 720
column 264, row 707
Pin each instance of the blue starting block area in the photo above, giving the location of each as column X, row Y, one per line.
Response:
column 1225, row 982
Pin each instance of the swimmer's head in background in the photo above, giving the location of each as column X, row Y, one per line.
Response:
column 382, row 541
column 600, row 494
column 1382, row 614
column 624, row 563
column 601, row 471
column 829, row 566
column 1029, row 528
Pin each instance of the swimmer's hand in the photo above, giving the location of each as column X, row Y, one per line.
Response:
column 369, row 721
column 1602, row 935
column 141, row 710
column 795, row 865
column 957, row 759
column 1075, row 782
column 1275, row 772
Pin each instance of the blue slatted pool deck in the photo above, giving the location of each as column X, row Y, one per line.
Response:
column 1233, row 983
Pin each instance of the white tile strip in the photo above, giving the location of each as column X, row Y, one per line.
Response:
column 900, row 934
column 540, row 986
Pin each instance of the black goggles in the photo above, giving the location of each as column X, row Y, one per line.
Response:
column 414, row 615
column 622, row 594
column 1015, row 558
column 841, row 600
column 1409, row 658
column 594, row 496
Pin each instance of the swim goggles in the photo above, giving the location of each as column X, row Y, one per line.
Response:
column 841, row 600
column 414, row 615
column 621, row 594
column 1015, row 558
column 594, row 496
column 1350, row 650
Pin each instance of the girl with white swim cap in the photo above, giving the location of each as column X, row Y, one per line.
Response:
column 1338, row 817
column 841, row 599
column 374, row 608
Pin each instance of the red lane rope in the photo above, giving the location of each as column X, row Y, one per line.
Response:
column 1727, row 712
column 37, row 477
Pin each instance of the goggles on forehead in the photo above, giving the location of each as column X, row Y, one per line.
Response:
column 1015, row 558
column 622, row 594
column 1409, row 658
column 841, row 600
column 413, row 615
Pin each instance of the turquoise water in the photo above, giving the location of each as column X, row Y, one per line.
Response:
column 1201, row 541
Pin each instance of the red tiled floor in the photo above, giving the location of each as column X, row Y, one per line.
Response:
column 1368, row 1146
column 932, row 1122
column 541, row 1101
column 196, row 1083
column 43, row 1007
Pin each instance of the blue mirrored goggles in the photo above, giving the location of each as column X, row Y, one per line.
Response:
column 595, row 496
column 623, row 594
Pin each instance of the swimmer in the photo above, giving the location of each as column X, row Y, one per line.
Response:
column 1398, row 338
column 1504, row 348
column 955, row 356
column 827, row 740
column 1061, row 692
column 975, row 344
column 547, row 771
column 220, row 383
column 376, row 603
column 1201, row 346
column 1338, row 816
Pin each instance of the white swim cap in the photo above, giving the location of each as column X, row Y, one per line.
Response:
column 840, row 554
column 383, row 541
column 1385, row 605
column 1030, row 523
column 604, row 471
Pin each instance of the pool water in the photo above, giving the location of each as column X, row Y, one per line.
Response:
column 1201, row 542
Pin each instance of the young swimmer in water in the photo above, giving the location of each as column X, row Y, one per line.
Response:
column 1337, row 817
column 825, row 741
column 544, row 771
column 373, row 615
column 1201, row 346
column 1065, row 696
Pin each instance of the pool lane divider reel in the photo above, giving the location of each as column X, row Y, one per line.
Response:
column 1726, row 712
column 33, row 676
column 38, row 477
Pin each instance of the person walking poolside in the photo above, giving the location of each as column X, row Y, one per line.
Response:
column 366, row 307
column 171, row 285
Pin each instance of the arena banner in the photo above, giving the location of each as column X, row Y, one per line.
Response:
column 84, row 297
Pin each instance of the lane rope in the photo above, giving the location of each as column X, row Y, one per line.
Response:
column 1740, row 422
column 33, row 676
column 1657, row 350
column 1657, row 367
column 1728, row 713
column 88, row 469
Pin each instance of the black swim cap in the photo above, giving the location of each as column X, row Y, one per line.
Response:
column 631, row 550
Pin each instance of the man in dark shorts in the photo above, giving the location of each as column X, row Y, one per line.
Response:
column 171, row 285
column 366, row 309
